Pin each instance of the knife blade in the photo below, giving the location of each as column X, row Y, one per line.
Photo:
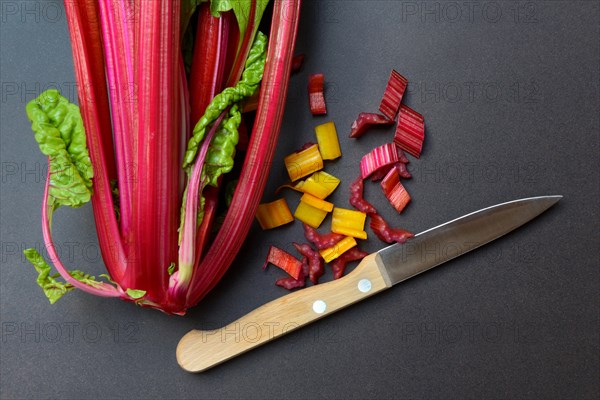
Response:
column 444, row 242
column 200, row 350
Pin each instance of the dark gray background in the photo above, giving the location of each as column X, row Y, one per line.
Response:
column 509, row 91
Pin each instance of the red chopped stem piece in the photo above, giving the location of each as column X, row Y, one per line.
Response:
column 385, row 233
column 315, row 262
column 365, row 120
column 305, row 268
column 290, row 283
column 403, row 171
column 356, row 197
column 400, row 166
column 394, row 191
column 392, row 97
column 379, row 157
column 316, row 98
column 321, row 241
column 297, row 62
column 285, row 261
column 339, row 264
column 390, row 180
column 402, row 157
column 380, row 173
column 410, row 131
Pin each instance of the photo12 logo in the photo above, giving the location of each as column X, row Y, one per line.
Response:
column 23, row 92
column 470, row 92
column 491, row 12
column 259, row 332
column 490, row 172
column 472, row 332
column 69, row 332
column 28, row 11
column 67, row 251
column 57, row 11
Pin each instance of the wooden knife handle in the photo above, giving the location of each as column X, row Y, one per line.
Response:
column 200, row 350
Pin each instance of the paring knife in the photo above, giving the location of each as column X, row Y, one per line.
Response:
column 201, row 350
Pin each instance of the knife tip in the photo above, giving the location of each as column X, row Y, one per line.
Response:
column 550, row 200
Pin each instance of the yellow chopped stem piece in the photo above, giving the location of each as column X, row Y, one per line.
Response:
column 316, row 202
column 349, row 222
column 310, row 215
column 327, row 138
column 320, row 184
column 274, row 214
column 331, row 253
column 342, row 230
column 303, row 163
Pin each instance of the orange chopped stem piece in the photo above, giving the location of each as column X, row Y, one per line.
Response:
column 303, row 162
column 274, row 214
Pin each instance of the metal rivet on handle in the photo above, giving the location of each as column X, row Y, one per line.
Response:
column 364, row 285
column 319, row 306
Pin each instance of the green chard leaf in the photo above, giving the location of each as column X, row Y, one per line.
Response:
column 136, row 293
column 60, row 134
column 241, row 9
column 108, row 278
column 245, row 88
column 171, row 269
column 221, row 151
column 53, row 288
column 201, row 204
